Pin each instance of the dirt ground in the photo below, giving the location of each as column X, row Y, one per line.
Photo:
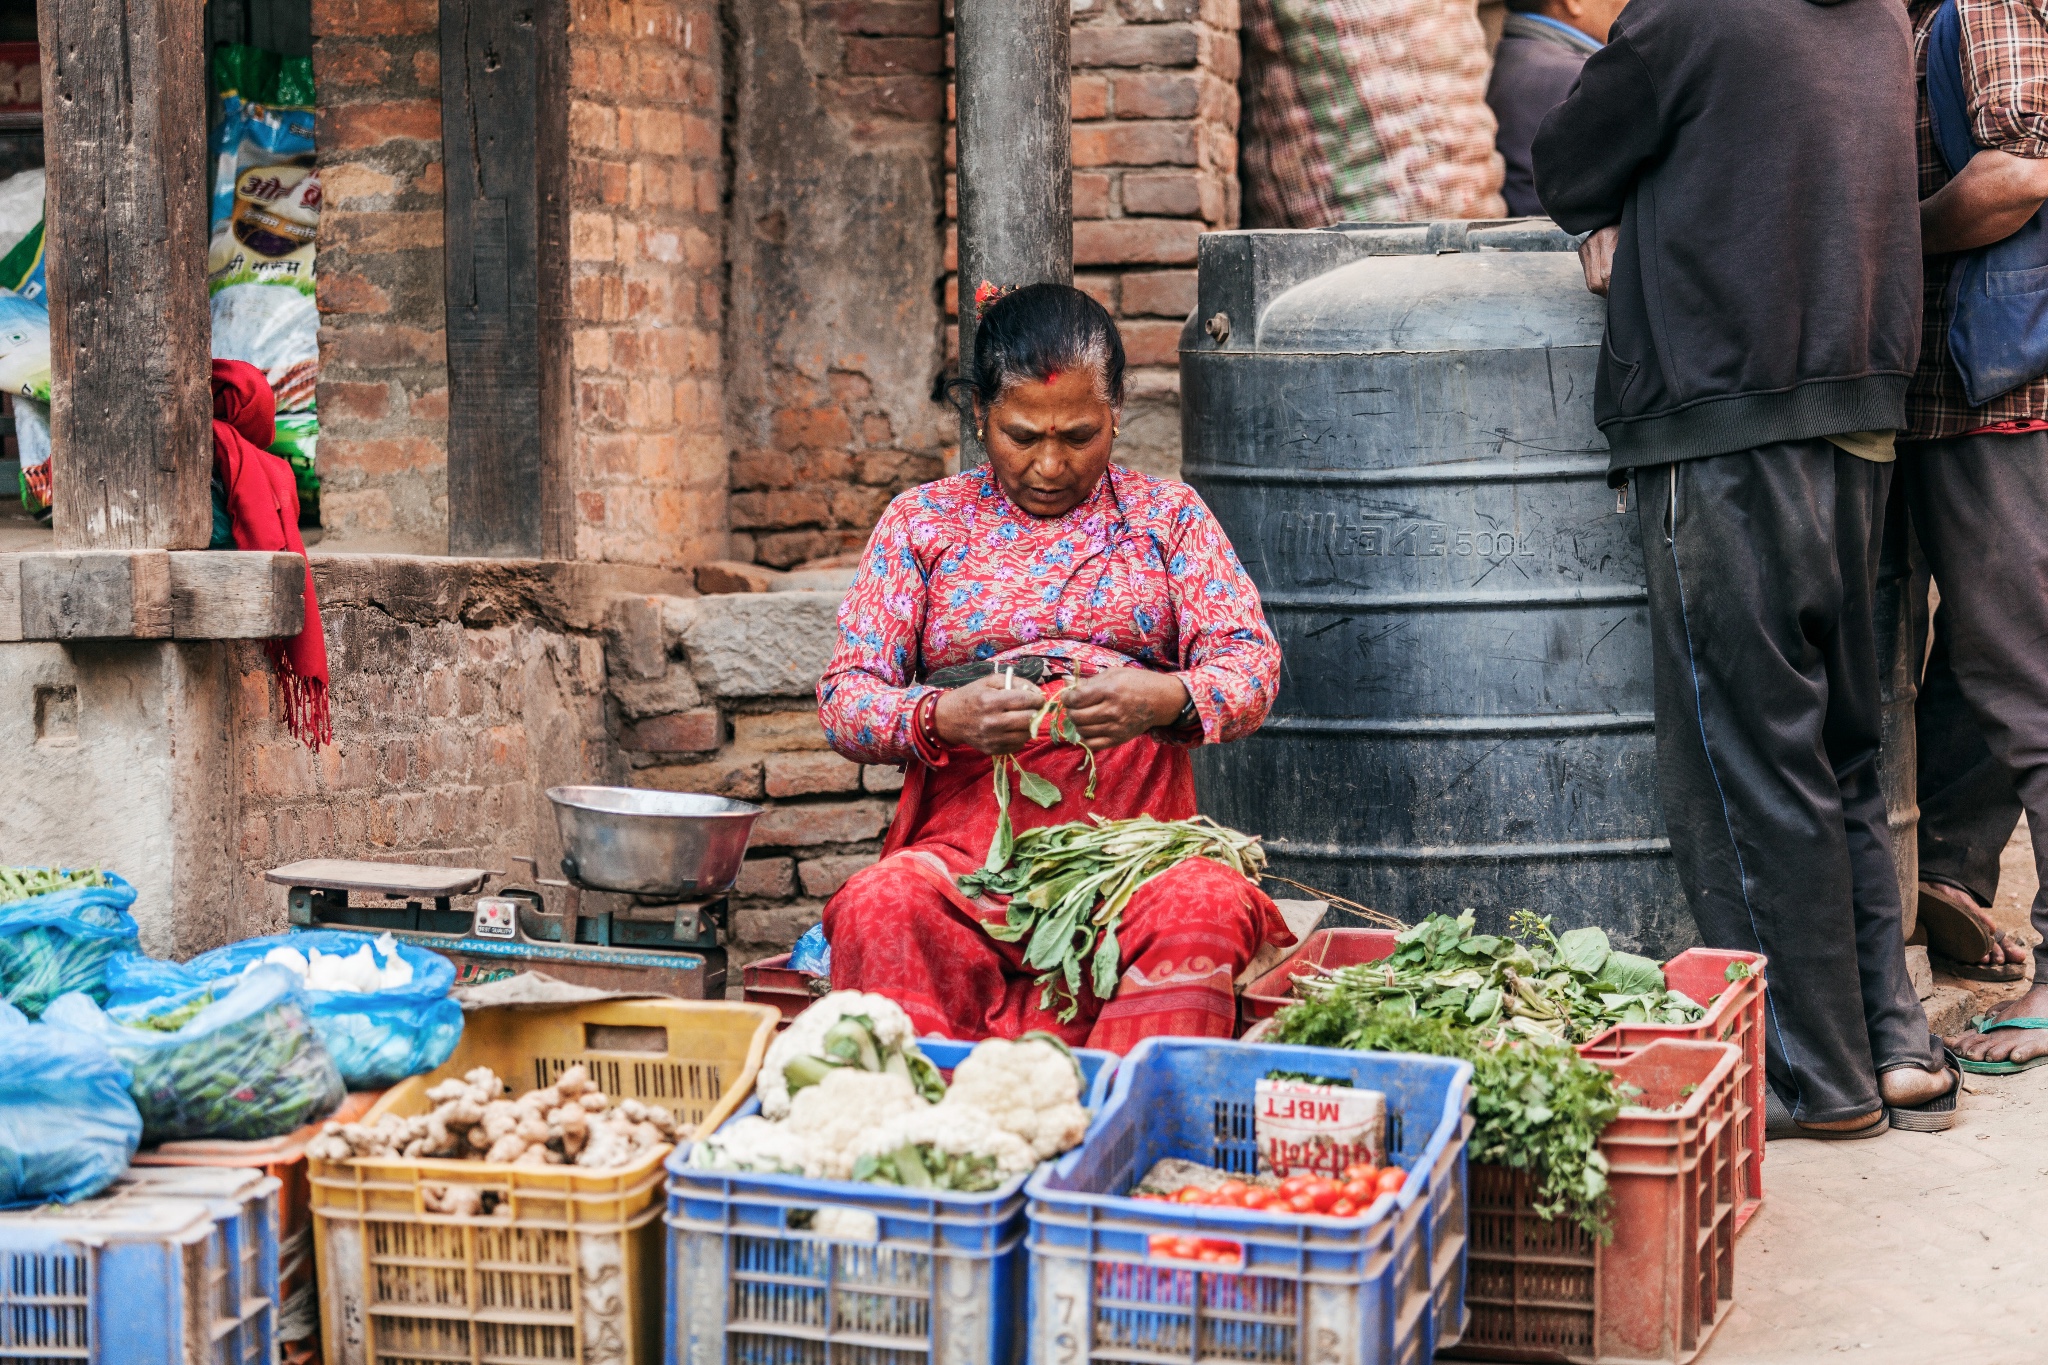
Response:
column 1908, row 1247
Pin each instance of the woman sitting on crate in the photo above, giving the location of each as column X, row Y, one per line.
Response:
column 979, row 596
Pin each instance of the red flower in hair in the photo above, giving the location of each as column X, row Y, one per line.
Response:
column 987, row 293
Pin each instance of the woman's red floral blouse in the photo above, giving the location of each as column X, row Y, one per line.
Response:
column 1139, row 574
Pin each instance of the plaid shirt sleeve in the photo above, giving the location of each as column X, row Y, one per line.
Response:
column 2005, row 61
column 2005, row 75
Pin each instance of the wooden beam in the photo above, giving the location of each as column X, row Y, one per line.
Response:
column 237, row 595
column 151, row 595
column 124, row 101
column 504, row 134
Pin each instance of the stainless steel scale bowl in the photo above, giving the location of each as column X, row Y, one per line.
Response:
column 661, row 845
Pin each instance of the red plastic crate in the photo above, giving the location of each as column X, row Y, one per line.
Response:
column 1735, row 1014
column 772, row 981
column 1542, row 1290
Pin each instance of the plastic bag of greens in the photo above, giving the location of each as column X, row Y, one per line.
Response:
column 227, row 1060
column 57, row 932
column 379, row 1004
column 67, row 1123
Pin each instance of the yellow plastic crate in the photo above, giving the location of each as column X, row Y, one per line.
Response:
column 564, row 1264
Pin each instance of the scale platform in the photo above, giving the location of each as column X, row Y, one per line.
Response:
column 600, row 939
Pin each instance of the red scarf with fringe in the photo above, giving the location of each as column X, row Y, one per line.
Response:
column 263, row 506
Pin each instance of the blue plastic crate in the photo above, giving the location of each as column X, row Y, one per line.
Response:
column 141, row 1277
column 941, row 1279
column 243, row 1256
column 1385, row 1289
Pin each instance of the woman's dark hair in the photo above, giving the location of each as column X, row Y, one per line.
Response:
column 1035, row 331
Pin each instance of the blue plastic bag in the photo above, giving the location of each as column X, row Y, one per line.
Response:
column 67, row 1123
column 811, row 953
column 62, row 941
column 377, row 1039
column 233, row 1059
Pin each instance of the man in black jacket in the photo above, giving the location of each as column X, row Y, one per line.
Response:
column 1542, row 46
column 1746, row 172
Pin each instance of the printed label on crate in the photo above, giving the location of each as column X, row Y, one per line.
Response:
column 496, row 917
column 1305, row 1129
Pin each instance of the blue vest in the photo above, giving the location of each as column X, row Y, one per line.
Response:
column 1997, row 294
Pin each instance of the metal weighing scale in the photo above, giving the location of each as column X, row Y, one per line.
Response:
column 639, row 908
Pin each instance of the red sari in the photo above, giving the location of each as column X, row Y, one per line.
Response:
column 1138, row 575
column 903, row 928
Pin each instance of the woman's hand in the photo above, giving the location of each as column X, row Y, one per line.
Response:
column 1119, row 704
column 984, row 715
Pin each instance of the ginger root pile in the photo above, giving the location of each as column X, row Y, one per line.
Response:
column 571, row 1122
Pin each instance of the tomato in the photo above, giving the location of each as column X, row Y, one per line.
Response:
column 1360, row 1192
column 1391, row 1179
column 1325, row 1193
column 1192, row 1194
column 1360, row 1170
column 1232, row 1189
column 1295, row 1184
column 1345, row 1208
column 1187, row 1248
column 1256, row 1198
column 1301, row 1203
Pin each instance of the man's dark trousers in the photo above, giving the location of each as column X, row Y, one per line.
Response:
column 1980, row 507
column 1762, row 568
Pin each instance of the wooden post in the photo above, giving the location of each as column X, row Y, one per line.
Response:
column 504, row 134
column 1014, row 87
column 124, row 132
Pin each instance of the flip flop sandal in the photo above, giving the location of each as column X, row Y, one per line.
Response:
column 1957, row 936
column 1779, row 1124
column 1937, row 1115
column 1975, row 1067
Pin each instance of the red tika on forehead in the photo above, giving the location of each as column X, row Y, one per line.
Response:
column 1052, row 377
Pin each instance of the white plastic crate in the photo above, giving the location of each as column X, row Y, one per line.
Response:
column 140, row 1277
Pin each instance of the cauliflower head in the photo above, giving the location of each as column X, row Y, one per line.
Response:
column 831, row 1117
column 753, row 1144
column 943, row 1146
column 1030, row 1087
column 846, row 1029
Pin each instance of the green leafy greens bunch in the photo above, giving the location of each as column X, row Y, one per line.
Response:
column 1068, row 886
column 1559, row 988
column 1537, row 1105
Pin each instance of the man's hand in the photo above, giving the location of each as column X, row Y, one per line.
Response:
column 1119, row 704
column 1596, row 258
column 1991, row 200
column 984, row 715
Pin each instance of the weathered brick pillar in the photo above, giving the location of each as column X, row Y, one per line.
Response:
column 1155, row 165
column 383, row 397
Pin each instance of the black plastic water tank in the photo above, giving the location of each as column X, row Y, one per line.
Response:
column 1394, row 423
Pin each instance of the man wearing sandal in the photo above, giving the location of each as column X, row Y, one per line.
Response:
column 1973, row 468
column 1743, row 172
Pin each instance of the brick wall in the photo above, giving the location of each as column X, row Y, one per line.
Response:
column 647, row 283
column 383, row 358
column 648, row 473
column 835, row 250
column 462, row 690
column 715, row 694
column 1155, row 111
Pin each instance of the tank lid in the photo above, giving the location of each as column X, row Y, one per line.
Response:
column 1245, row 275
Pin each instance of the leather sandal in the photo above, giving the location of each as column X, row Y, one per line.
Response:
column 1779, row 1124
column 1958, row 934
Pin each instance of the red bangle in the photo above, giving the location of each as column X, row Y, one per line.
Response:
column 924, row 729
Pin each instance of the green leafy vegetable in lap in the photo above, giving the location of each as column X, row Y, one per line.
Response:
column 1068, row 886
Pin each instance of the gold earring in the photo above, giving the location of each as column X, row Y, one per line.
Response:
column 1116, row 431
column 981, row 433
